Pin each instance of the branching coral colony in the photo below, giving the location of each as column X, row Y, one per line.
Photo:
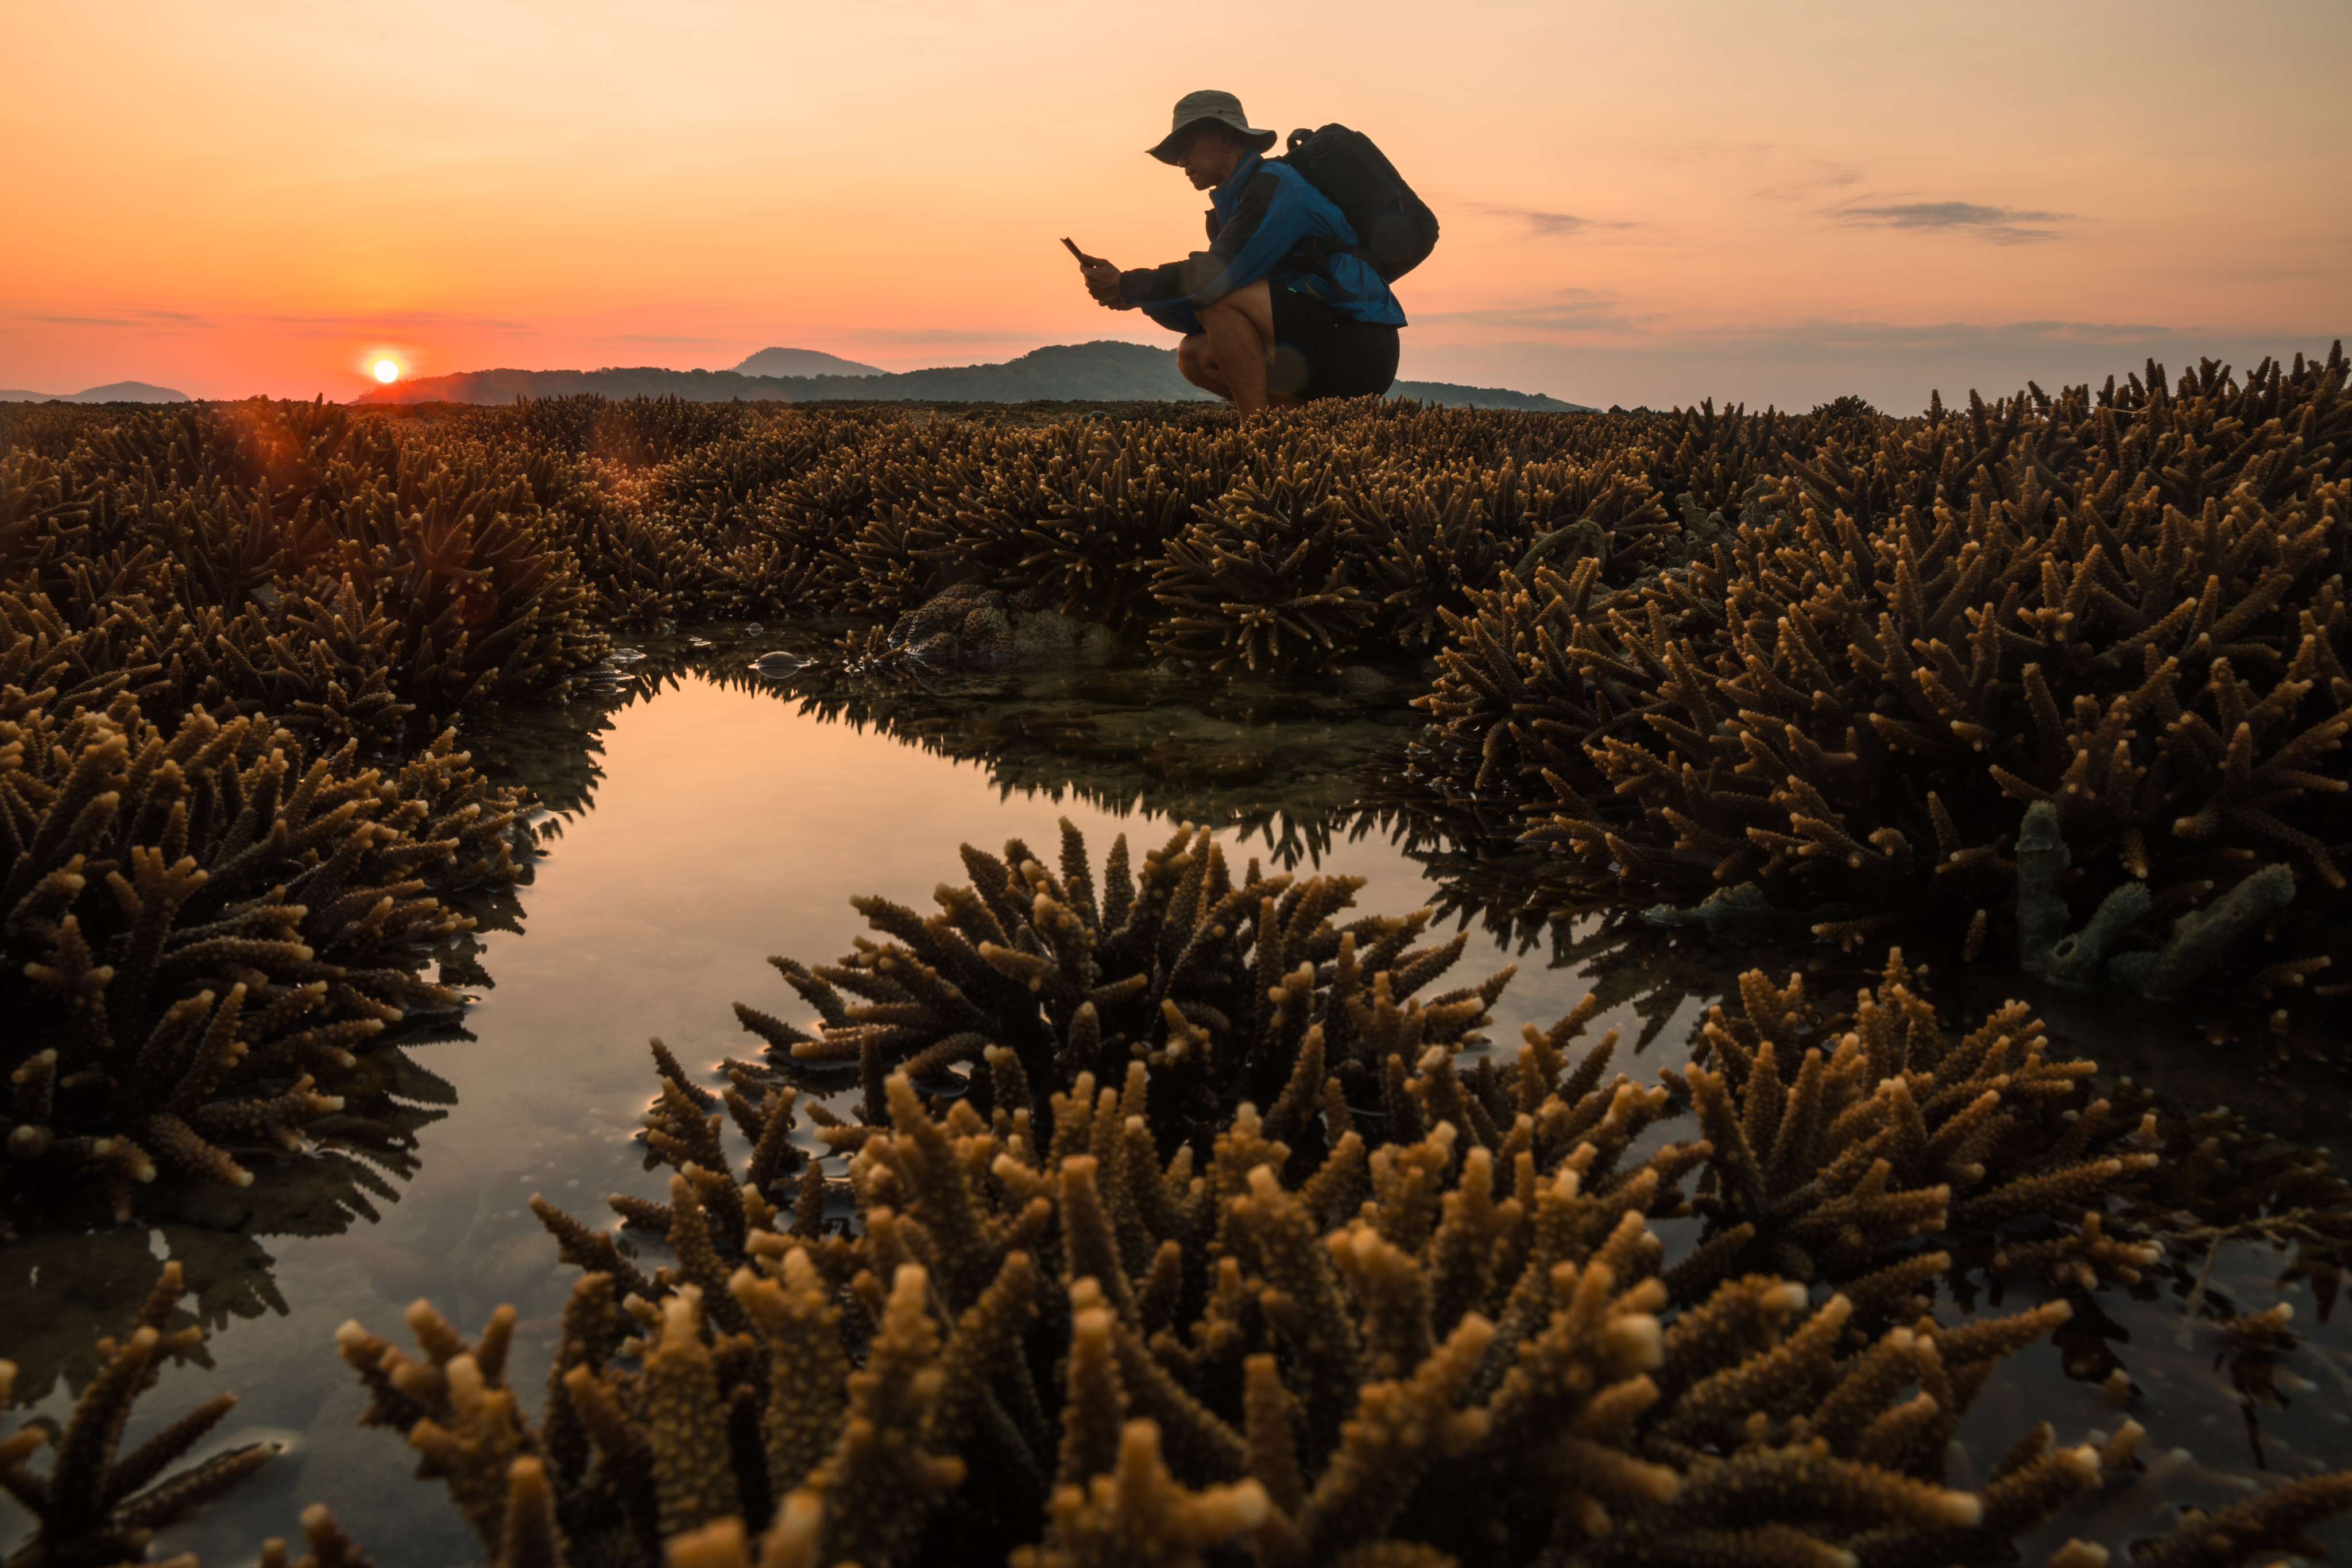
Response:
column 1181, row 1227
column 96, row 1505
column 199, row 920
column 2065, row 672
column 1084, row 1326
column 1837, row 656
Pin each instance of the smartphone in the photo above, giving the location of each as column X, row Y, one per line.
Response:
column 1084, row 259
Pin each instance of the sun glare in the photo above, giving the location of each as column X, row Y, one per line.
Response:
column 387, row 371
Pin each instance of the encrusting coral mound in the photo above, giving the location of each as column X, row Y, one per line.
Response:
column 1075, row 1329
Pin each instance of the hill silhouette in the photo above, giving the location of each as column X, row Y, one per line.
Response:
column 1100, row 372
column 112, row 391
column 803, row 362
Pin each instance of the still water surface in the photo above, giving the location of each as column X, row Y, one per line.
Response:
column 702, row 821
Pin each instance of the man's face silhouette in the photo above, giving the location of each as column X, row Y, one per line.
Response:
column 1209, row 155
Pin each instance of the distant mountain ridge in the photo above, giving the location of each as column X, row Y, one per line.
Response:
column 803, row 362
column 1100, row 371
column 112, row 391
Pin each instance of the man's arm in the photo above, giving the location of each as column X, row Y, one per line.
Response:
column 1268, row 223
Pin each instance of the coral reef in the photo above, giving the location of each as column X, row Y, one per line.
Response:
column 1027, row 978
column 298, row 560
column 98, row 1504
column 469, row 554
column 1151, row 1213
column 1452, row 1331
column 199, row 924
column 2120, row 616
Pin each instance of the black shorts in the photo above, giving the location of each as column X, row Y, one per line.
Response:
column 1317, row 353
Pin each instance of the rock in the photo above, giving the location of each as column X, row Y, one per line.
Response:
column 969, row 627
column 1097, row 643
column 1042, row 636
column 1362, row 681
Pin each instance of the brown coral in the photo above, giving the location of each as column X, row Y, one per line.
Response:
column 96, row 1504
column 1464, row 1339
column 2128, row 607
column 196, row 924
column 1211, row 985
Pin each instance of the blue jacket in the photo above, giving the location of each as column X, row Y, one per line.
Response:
column 1261, row 216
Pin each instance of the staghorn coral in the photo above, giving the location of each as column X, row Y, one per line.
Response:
column 2128, row 610
column 96, row 1503
column 368, row 570
column 1832, row 1153
column 703, row 506
column 1094, row 1360
column 301, row 561
column 1027, row 978
column 1328, row 1336
column 197, row 924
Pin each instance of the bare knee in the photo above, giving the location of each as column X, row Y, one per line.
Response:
column 1196, row 362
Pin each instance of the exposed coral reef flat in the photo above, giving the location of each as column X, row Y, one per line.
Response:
column 707, row 821
column 1128, row 905
column 704, row 817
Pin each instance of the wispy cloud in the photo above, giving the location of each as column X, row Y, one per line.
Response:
column 944, row 337
column 1772, row 171
column 2001, row 225
column 1796, row 178
column 381, row 321
column 1564, row 311
column 126, row 316
column 1549, row 225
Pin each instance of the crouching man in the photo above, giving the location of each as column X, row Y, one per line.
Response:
column 1278, row 310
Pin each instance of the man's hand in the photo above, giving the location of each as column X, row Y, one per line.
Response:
column 1102, row 282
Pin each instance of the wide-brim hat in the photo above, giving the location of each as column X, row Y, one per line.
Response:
column 1208, row 104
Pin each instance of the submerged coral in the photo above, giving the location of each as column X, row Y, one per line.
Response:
column 96, row 1505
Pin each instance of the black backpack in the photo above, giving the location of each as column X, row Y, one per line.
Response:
column 1395, row 230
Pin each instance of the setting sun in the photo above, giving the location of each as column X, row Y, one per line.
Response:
column 387, row 371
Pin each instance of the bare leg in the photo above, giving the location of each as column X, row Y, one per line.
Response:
column 1199, row 365
column 1240, row 328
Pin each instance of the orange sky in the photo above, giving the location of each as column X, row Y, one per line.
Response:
column 1643, row 202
